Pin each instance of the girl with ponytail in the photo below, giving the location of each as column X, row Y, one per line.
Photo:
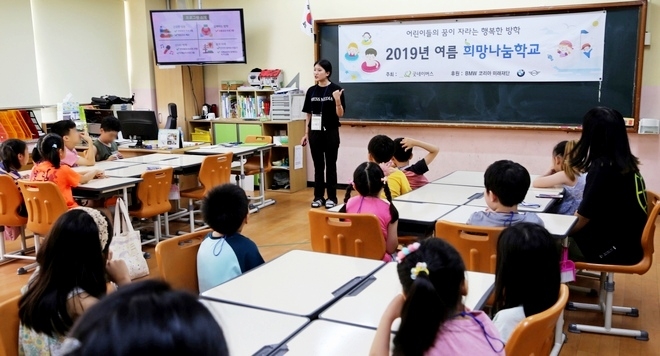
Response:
column 369, row 181
column 434, row 320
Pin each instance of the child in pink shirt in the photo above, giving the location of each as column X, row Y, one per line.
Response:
column 369, row 180
column 434, row 320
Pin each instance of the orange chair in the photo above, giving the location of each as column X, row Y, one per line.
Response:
column 10, row 201
column 44, row 203
column 177, row 260
column 476, row 244
column 606, row 296
column 215, row 170
column 253, row 165
column 9, row 326
column 535, row 334
column 357, row 235
column 153, row 198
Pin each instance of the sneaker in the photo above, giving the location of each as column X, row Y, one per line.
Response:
column 317, row 203
column 329, row 204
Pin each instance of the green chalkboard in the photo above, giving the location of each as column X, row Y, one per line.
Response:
column 547, row 103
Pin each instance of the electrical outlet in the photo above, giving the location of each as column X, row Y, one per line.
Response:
column 647, row 38
column 629, row 121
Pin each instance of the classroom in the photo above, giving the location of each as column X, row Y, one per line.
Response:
column 105, row 47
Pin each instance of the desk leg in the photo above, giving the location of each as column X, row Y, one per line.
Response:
column 125, row 193
column 560, row 338
column 263, row 202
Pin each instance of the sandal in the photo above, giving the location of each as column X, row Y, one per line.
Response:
column 317, row 203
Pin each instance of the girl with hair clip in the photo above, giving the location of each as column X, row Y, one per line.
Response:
column 13, row 155
column 612, row 214
column 49, row 169
column 562, row 173
column 434, row 320
column 146, row 318
column 527, row 275
column 369, row 181
column 74, row 265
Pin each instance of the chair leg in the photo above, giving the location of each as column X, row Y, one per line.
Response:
column 191, row 212
column 605, row 306
column 167, row 225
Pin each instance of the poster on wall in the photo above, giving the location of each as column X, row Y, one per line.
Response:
column 538, row 48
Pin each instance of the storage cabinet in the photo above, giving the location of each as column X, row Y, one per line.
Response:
column 285, row 153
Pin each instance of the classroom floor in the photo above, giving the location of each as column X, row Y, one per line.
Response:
column 284, row 227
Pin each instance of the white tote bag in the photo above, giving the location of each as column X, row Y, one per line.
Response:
column 126, row 244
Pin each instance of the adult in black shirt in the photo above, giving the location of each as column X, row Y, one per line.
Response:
column 612, row 214
column 324, row 105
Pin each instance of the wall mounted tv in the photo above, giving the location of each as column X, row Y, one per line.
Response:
column 203, row 36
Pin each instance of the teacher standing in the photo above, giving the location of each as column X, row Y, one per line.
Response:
column 324, row 105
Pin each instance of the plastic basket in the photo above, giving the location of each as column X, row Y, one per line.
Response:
column 16, row 115
column 6, row 123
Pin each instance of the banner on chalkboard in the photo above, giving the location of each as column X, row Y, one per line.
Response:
column 538, row 48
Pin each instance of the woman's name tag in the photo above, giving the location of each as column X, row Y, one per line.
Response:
column 316, row 123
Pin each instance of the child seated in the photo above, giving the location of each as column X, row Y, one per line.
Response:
column 404, row 153
column 66, row 129
column 369, row 180
column 13, row 155
column 51, row 151
column 506, row 184
column 562, row 173
column 434, row 320
column 74, row 264
column 527, row 276
column 381, row 151
column 225, row 253
column 106, row 147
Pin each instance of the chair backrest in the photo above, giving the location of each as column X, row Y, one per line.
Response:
column 215, row 170
column 9, row 326
column 10, row 200
column 535, row 334
column 652, row 209
column 177, row 260
column 154, row 191
column 263, row 140
column 44, row 203
column 357, row 235
column 476, row 244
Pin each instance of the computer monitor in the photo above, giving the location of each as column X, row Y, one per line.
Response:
column 138, row 125
column 93, row 117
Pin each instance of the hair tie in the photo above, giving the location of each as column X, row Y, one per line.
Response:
column 54, row 145
column 101, row 224
column 384, row 180
column 68, row 346
column 406, row 251
column 419, row 267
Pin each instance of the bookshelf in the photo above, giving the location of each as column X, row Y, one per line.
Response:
column 245, row 103
column 294, row 130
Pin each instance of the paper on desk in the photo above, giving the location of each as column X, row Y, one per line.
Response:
column 298, row 157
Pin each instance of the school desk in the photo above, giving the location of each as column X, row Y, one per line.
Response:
column 442, row 194
column 240, row 153
column 476, row 179
column 249, row 330
column 326, row 338
column 96, row 188
column 558, row 225
column 530, row 203
column 135, row 170
column 105, row 165
column 150, row 158
column 299, row 282
column 364, row 305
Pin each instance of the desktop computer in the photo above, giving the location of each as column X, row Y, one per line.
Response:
column 139, row 125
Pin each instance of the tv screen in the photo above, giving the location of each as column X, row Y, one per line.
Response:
column 212, row 36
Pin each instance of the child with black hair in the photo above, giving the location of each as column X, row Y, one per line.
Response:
column 369, row 181
column 506, row 185
column 527, row 276
column 403, row 153
column 225, row 253
column 106, row 147
column 612, row 214
column 434, row 320
column 66, row 129
column 13, row 155
column 36, row 151
column 381, row 150
column 52, row 150
column 146, row 318
column 74, row 265
column 562, row 173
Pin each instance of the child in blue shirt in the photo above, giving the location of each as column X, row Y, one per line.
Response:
column 225, row 253
column 506, row 184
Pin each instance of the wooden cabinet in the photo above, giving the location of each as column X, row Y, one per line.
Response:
column 285, row 153
column 183, row 86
